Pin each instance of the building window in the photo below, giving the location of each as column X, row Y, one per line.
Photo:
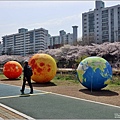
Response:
column 104, row 24
column 104, row 11
column 104, row 15
column 105, row 20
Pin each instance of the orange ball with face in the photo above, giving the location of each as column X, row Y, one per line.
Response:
column 12, row 69
column 44, row 68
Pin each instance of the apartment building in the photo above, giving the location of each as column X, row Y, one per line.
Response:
column 101, row 24
column 1, row 48
column 25, row 42
column 63, row 38
column 28, row 42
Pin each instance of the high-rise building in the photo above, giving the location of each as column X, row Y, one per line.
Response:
column 54, row 42
column 75, row 34
column 25, row 42
column 28, row 42
column 66, row 38
column 63, row 38
column 101, row 24
column 1, row 48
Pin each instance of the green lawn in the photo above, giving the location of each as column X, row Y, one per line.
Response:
column 71, row 79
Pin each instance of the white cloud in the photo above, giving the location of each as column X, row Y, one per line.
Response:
column 55, row 25
column 58, row 21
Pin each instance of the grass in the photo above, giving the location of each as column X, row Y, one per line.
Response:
column 115, row 80
column 115, row 83
column 65, row 79
column 2, row 76
column 71, row 79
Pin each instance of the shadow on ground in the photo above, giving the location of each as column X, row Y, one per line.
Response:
column 99, row 93
column 24, row 95
column 43, row 84
column 11, row 79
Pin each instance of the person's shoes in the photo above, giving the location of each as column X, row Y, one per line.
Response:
column 31, row 92
column 22, row 92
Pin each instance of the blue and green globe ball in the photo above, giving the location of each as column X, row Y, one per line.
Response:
column 94, row 73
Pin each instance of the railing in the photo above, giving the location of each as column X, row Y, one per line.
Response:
column 70, row 70
column 65, row 70
column 116, row 71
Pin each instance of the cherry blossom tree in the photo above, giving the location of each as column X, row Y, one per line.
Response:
column 68, row 55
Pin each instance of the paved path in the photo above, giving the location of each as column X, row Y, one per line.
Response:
column 45, row 105
column 8, row 114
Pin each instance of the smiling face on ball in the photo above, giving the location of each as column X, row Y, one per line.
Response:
column 12, row 70
column 44, row 68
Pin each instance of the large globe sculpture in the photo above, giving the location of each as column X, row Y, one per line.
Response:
column 94, row 73
column 12, row 69
column 44, row 68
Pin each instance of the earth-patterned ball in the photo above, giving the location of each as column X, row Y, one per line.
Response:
column 44, row 68
column 94, row 73
column 12, row 69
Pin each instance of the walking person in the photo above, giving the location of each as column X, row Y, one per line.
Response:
column 27, row 73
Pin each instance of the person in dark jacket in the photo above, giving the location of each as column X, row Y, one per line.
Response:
column 27, row 78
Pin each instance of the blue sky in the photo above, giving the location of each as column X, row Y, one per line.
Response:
column 51, row 15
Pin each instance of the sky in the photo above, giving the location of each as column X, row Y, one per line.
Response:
column 50, row 15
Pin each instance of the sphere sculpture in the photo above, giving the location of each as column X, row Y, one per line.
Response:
column 44, row 68
column 12, row 69
column 94, row 73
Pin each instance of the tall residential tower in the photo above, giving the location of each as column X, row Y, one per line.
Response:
column 25, row 42
column 64, row 38
column 101, row 24
column 75, row 34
